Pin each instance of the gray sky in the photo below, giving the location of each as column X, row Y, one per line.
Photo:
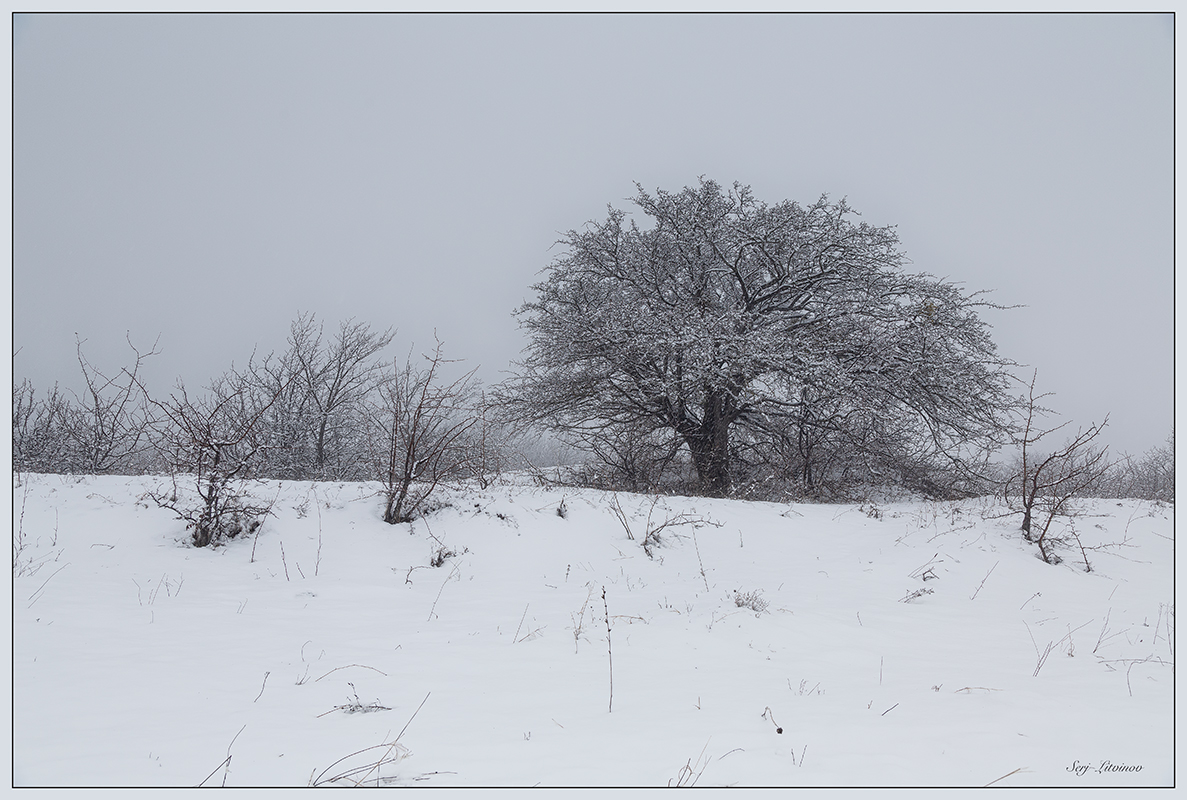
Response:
column 206, row 177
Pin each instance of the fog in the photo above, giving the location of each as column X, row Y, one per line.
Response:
column 204, row 178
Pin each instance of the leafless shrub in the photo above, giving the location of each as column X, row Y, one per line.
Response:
column 1044, row 487
column 39, row 439
column 872, row 511
column 100, row 431
column 108, row 423
column 419, row 425
column 491, row 443
column 320, row 384
column 652, row 528
column 1151, row 477
column 215, row 442
column 752, row 600
column 357, row 706
column 630, row 458
column 440, row 556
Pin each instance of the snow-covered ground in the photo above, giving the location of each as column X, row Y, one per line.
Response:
column 329, row 650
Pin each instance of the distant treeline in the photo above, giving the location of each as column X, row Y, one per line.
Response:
column 330, row 408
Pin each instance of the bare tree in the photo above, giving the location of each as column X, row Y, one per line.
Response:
column 490, row 440
column 1045, row 485
column 273, row 383
column 632, row 457
column 315, row 391
column 419, row 426
column 102, row 430
column 335, row 377
column 1151, row 477
column 108, row 422
column 39, row 438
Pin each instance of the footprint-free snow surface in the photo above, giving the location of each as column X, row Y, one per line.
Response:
column 521, row 636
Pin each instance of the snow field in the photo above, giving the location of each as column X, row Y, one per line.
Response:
column 139, row 660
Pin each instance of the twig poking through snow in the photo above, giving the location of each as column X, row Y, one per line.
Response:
column 363, row 666
column 609, row 651
column 1002, row 778
column 226, row 762
column 688, row 776
column 37, row 595
column 317, row 563
column 414, row 713
column 1105, row 630
column 515, row 638
column 1043, row 658
column 452, row 572
column 926, row 568
column 262, row 685
column 987, row 574
column 702, row 563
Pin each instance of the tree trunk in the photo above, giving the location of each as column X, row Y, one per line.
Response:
column 709, row 444
column 805, row 441
column 320, row 448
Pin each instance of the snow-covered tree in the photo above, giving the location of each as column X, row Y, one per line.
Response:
column 783, row 321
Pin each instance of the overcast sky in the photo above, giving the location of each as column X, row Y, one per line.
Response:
column 204, row 178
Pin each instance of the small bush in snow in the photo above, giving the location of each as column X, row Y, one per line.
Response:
column 215, row 441
column 441, row 556
column 752, row 600
column 651, row 536
column 915, row 595
column 357, row 706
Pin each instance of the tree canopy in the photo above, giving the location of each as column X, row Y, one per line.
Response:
column 745, row 331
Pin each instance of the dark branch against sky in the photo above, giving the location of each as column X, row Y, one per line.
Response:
column 207, row 177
